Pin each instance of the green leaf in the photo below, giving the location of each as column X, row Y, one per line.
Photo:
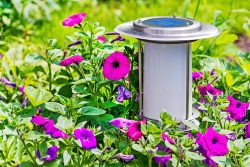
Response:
column 37, row 96
column 226, row 38
column 55, row 107
column 246, row 161
column 222, row 160
column 66, row 157
column 190, row 124
column 33, row 135
column 33, row 58
column 27, row 164
column 193, row 155
column 171, row 146
column 138, row 148
column 207, row 119
column 64, row 122
column 89, row 110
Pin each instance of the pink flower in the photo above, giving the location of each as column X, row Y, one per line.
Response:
column 197, row 75
column 210, row 89
column 116, row 66
column 74, row 19
column 247, row 134
column 71, row 60
column 211, row 143
column 164, row 137
column 121, row 122
column 134, row 131
column 101, row 39
column 237, row 109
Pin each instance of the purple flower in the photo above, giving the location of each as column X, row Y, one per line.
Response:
column 247, row 134
column 49, row 127
column 74, row 19
column 38, row 120
column 75, row 43
column 209, row 162
column 5, row 81
column 137, row 97
column 211, row 143
column 197, row 75
column 25, row 102
column 52, row 130
column 237, row 109
column 231, row 136
column 39, row 111
column 101, row 39
column 212, row 72
column 51, row 154
column 119, row 38
column 124, row 158
column 71, row 60
column 86, row 137
column 1, row 55
column 123, row 93
column 162, row 160
column 121, row 122
column 210, row 89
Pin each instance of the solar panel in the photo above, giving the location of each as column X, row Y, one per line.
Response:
column 167, row 22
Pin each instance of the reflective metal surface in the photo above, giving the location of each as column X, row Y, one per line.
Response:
column 167, row 29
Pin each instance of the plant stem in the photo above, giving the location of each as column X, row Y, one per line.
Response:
column 150, row 162
column 50, row 73
column 197, row 8
column 25, row 146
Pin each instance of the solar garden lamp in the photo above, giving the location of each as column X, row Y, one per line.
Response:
column 165, row 68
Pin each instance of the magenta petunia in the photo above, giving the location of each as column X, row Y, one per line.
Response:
column 71, row 60
column 52, row 130
column 197, row 75
column 101, row 38
column 51, row 154
column 247, row 133
column 38, row 120
column 162, row 160
column 121, row 122
column 49, row 127
column 134, row 131
column 211, row 143
column 74, row 19
column 209, row 89
column 237, row 109
column 86, row 137
column 165, row 136
column 116, row 66
column 21, row 89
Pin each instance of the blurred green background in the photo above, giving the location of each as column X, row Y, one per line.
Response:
column 36, row 20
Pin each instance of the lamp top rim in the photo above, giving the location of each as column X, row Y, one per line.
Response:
column 167, row 29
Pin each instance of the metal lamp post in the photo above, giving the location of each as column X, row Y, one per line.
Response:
column 165, row 68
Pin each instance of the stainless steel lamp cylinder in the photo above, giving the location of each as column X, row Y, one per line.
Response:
column 167, row 80
column 166, row 64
